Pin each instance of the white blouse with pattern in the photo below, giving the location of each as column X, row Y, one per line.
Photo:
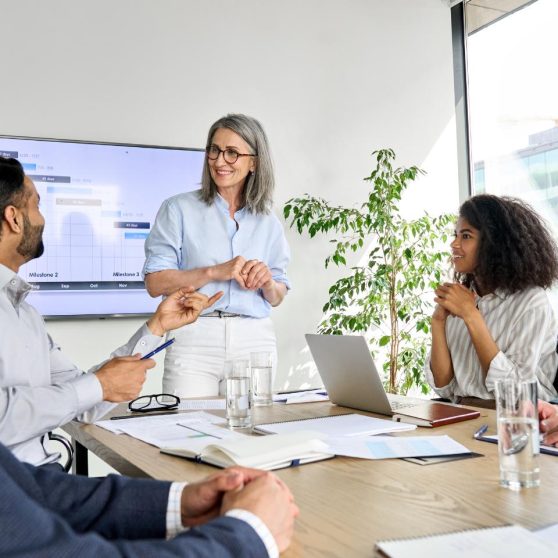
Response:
column 524, row 327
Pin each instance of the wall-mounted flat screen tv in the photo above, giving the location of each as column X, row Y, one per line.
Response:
column 99, row 201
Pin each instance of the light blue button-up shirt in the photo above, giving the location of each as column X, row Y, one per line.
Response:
column 189, row 234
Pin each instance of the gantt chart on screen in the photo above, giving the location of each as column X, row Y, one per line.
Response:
column 99, row 202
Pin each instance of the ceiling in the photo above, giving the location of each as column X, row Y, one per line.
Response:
column 480, row 13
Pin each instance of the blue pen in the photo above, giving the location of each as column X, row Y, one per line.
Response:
column 479, row 433
column 158, row 349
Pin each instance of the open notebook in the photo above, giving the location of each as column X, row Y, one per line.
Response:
column 510, row 541
column 260, row 452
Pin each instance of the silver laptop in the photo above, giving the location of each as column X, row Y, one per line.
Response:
column 350, row 375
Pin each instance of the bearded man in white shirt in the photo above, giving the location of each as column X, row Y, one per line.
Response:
column 40, row 388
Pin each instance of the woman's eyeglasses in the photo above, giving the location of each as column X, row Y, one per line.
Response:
column 148, row 403
column 230, row 155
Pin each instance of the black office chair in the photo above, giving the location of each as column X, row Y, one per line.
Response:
column 68, row 448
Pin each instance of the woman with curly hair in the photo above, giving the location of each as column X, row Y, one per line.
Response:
column 496, row 318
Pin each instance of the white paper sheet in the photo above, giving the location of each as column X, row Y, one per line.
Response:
column 499, row 542
column 191, row 404
column 350, row 424
column 391, row 447
column 310, row 396
column 549, row 533
column 163, row 430
column 197, row 429
column 200, row 404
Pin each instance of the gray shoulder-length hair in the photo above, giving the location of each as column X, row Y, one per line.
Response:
column 258, row 188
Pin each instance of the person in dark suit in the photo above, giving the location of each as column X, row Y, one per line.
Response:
column 236, row 513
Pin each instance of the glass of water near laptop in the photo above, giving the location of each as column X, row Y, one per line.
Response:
column 261, row 364
column 518, row 433
column 238, row 393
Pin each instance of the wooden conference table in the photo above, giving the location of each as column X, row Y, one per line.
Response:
column 347, row 504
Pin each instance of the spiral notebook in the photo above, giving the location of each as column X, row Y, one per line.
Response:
column 350, row 424
column 510, row 541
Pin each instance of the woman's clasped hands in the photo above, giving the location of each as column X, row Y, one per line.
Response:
column 249, row 274
column 454, row 299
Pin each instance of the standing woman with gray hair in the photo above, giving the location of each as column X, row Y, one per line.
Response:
column 222, row 237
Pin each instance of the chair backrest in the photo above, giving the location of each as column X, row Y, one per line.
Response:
column 67, row 446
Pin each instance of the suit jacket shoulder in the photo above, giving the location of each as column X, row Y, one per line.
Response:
column 44, row 512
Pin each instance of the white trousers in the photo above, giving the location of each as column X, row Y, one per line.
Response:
column 195, row 362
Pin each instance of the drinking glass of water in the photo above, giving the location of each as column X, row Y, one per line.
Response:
column 238, row 394
column 518, row 433
column 262, row 377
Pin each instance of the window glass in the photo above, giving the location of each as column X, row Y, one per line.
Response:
column 513, row 106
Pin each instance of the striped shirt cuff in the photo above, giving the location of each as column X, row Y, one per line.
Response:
column 260, row 527
column 174, row 515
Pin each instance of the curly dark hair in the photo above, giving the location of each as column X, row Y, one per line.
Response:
column 516, row 250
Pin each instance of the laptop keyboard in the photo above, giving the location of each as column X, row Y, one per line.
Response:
column 397, row 405
column 398, row 402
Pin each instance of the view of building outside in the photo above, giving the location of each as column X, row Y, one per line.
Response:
column 513, row 107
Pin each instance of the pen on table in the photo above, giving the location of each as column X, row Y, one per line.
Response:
column 158, row 349
column 480, row 431
column 199, row 431
column 151, row 414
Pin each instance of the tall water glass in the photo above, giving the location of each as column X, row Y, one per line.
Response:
column 238, row 394
column 518, row 433
column 261, row 364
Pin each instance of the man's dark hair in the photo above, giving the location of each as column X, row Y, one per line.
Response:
column 12, row 191
column 515, row 251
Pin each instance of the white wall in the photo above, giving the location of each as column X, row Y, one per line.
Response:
column 330, row 80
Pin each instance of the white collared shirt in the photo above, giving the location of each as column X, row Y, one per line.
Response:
column 40, row 388
column 524, row 327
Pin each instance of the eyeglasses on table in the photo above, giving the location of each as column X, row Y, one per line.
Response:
column 148, row 403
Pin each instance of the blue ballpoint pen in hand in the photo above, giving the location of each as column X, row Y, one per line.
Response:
column 158, row 349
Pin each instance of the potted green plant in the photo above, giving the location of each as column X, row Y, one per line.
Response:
column 388, row 297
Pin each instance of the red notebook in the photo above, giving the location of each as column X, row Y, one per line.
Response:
column 435, row 414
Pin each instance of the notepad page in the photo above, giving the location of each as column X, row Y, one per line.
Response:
column 265, row 451
column 549, row 533
column 498, row 542
column 338, row 425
